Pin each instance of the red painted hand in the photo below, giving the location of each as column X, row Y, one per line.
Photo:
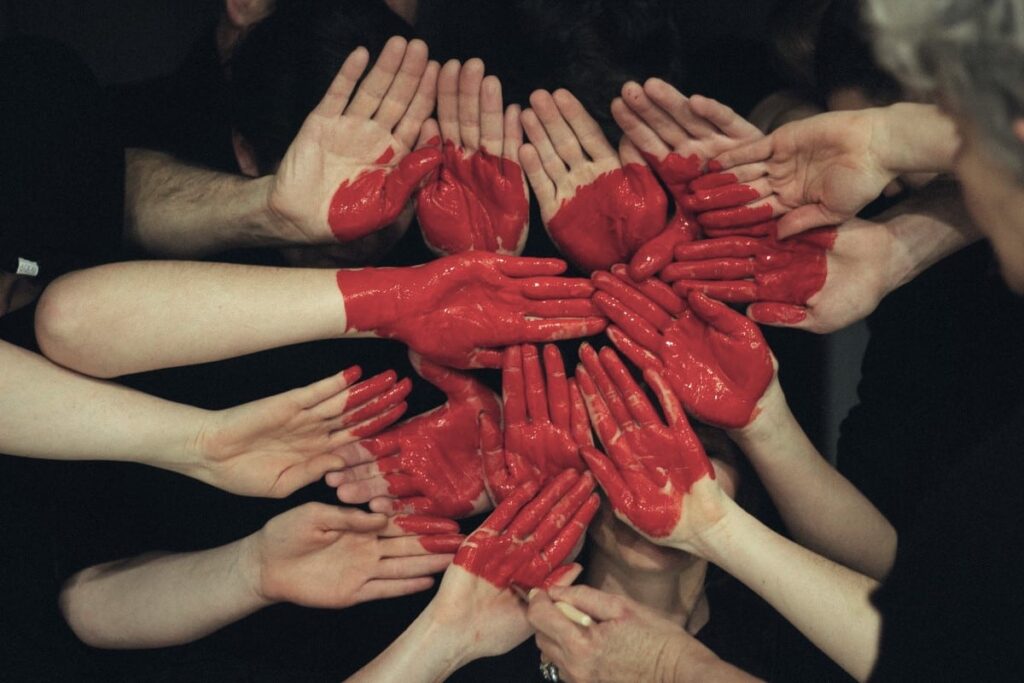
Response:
column 428, row 464
column 652, row 465
column 460, row 310
column 715, row 359
column 598, row 208
column 781, row 276
column 478, row 200
column 676, row 135
column 545, row 423
column 530, row 535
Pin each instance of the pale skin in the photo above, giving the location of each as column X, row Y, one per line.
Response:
column 314, row 555
column 270, row 447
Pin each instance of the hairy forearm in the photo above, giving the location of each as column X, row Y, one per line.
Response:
column 47, row 411
column 828, row 603
column 420, row 655
column 821, row 508
column 159, row 600
column 176, row 210
column 138, row 316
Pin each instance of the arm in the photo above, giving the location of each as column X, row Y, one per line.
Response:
column 269, row 447
column 314, row 555
column 131, row 317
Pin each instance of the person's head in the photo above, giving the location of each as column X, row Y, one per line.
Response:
column 281, row 70
column 793, row 28
column 846, row 73
column 970, row 53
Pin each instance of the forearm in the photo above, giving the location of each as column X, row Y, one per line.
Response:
column 827, row 602
column 158, row 600
column 419, row 655
column 132, row 317
column 49, row 412
column 821, row 508
column 181, row 211
column 925, row 228
column 689, row 661
column 917, row 137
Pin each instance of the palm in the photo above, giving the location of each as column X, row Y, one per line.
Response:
column 497, row 622
column 308, row 573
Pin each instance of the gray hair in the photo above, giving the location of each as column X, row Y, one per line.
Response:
column 968, row 52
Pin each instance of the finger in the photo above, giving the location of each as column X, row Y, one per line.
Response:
column 745, row 174
column 758, row 150
column 534, row 511
column 629, row 154
column 429, row 135
column 656, row 253
column 448, row 101
column 408, row 567
column 317, row 392
column 336, row 98
column 406, row 525
column 758, row 212
column 411, row 171
column 381, row 589
column 338, row 518
column 780, row 315
column 375, row 86
column 609, row 392
column 371, row 425
column 563, row 576
column 365, row 451
column 637, row 355
column 636, row 327
column 513, row 386
column 586, row 130
column 375, row 405
column 412, row 124
column 507, row 510
column 403, row 88
column 719, row 247
column 541, row 184
column 670, row 404
column 600, row 415
column 470, row 79
column 805, row 218
column 636, row 401
column 354, row 395
column 557, row 288
column 454, row 384
column 725, row 196
column 358, row 492
column 609, row 477
column 496, row 474
column 370, row 470
column 712, row 269
column 598, row 604
column 492, row 118
column 677, row 106
column 723, row 318
column 512, row 134
column 557, row 387
column 524, row 266
column 579, row 423
column 536, row 393
column 654, row 289
column 560, row 514
column 560, row 308
column 638, row 132
column 724, row 118
column 556, row 329
column 409, row 505
column 661, row 122
column 549, row 622
column 553, row 165
column 562, row 137
column 632, row 298
column 304, row 473
column 732, row 291
column 415, row 546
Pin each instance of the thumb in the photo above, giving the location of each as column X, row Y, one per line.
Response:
column 338, row 518
column 804, row 218
column 411, row 171
column 778, row 315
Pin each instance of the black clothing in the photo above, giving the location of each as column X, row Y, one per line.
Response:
column 953, row 606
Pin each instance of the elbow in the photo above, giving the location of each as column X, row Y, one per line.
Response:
column 80, row 617
column 62, row 327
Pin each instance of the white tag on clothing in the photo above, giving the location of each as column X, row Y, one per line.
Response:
column 26, row 267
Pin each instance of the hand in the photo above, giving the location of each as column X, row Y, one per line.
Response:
column 821, row 170
column 429, row 464
column 462, row 310
column 277, row 445
column 677, row 136
column 627, row 641
column 545, row 423
column 349, row 171
column 651, row 468
column 715, row 359
column 320, row 555
column 479, row 199
column 597, row 208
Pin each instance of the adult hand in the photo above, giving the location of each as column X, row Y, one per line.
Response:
column 276, row 445
column 478, row 200
column 598, row 206
column 463, row 310
column 653, row 470
column 545, row 423
column 430, row 463
column 320, row 555
column 715, row 359
column 349, row 171
column 627, row 641
column 677, row 136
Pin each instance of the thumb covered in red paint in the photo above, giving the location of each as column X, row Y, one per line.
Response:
column 410, row 173
column 657, row 252
column 778, row 315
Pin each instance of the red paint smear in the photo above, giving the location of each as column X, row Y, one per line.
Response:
column 605, row 222
column 478, row 201
column 778, row 314
column 720, row 197
column 650, row 258
column 676, row 171
column 736, row 216
column 529, row 535
column 375, row 197
column 387, row 156
column 712, row 180
column 450, row 308
column 442, row 545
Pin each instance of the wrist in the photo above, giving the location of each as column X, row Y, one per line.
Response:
column 372, row 298
column 685, row 659
column 252, row 571
column 770, row 414
column 916, row 138
column 436, row 641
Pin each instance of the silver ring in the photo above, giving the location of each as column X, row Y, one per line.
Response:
column 549, row 672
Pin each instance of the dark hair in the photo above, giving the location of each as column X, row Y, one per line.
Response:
column 845, row 59
column 283, row 67
column 793, row 30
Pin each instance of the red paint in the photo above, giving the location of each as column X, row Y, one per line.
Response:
column 463, row 310
column 437, row 535
column 676, row 171
column 650, row 258
column 432, row 462
column 605, row 222
column 373, row 404
column 715, row 359
column 477, row 201
column 530, row 534
column 777, row 314
column 545, row 423
column 376, row 196
column 743, row 269
column 735, row 216
column 719, row 197
column 712, row 179
column 651, row 465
